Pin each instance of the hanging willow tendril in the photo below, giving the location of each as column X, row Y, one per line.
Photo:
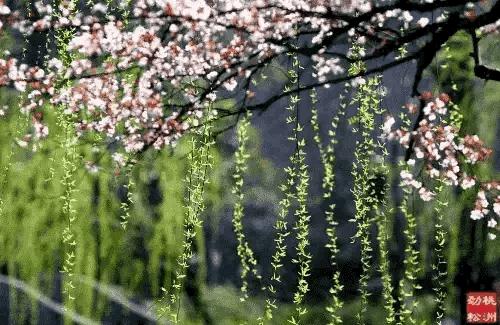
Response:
column 245, row 253
column 304, row 257
column 439, row 265
column 367, row 100
column 327, row 157
column 381, row 174
column 288, row 189
column 200, row 161
column 282, row 233
column 125, row 8
column 63, row 36
column 125, row 206
column 408, row 285
column 68, row 182
column 383, row 237
column 131, row 78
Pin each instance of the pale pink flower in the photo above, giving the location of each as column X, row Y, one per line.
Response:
column 467, row 182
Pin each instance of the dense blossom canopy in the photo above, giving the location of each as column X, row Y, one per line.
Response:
column 140, row 69
column 440, row 149
column 145, row 72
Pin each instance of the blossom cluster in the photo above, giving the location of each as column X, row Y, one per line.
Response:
column 487, row 198
column 439, row 151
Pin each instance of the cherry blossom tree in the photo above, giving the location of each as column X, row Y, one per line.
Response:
column 144, row 73
column 148, row 68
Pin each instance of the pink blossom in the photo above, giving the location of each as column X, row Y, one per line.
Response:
column 426, row 195
column 387, row 127
column 496, row 208
column 467, row 182
column 476, row 214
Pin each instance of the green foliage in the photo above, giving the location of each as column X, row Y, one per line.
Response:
column 383, row 211
column 367, row 99
column 227, row 309
column 167, row 231
column 301, row 174
column 357, row 66
column 200, row 162
column 302, row 228
column 439, row 266
column 125, row 206
column 408, row 285
column 69, row 184
column 295, row 188
column 383, row 239
column 245, row 253
column 34, row 219
column 327, row 157
column 69, row 161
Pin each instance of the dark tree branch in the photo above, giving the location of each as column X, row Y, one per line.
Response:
column 267, row 103
column 486, row 73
